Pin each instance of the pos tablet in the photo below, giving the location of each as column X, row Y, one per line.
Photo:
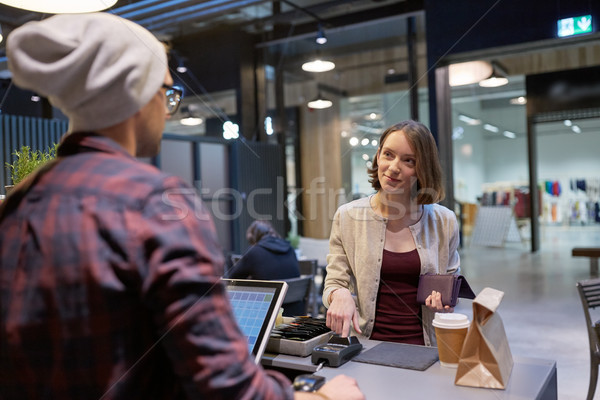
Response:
column 255, row 306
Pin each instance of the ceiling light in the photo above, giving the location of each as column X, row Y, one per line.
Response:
column 190, row 121
column 509, row 134
column 374, row 142
column 576, row 129
column 491, row 128
column 497, row 78
column 567, row 122
column 61, row 6
column 469, row 120
column 518, row 100
column 458, row 133
column 353, row 141
column 493, row 81
column 269, row 126
column 320, row 103
column 321, row 38
column 365, row 141
column 318, row 65
column 188, row 117
column 468, row 72
column 365, row 157
column 35, row 98
column 230, row 130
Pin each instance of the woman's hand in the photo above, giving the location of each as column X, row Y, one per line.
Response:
column 434, row 303
column 342, row 312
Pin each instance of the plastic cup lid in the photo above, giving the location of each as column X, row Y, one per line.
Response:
column 451, row 320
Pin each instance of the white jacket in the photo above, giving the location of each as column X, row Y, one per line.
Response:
column 356, row 248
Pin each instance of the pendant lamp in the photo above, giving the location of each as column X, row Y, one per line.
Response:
column 60, row 6
column 496, row 79
column 320, row 102
column 321, row 38
column 318, row 65
column 470, row 72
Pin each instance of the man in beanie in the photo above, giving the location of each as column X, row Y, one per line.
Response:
column 109, row 269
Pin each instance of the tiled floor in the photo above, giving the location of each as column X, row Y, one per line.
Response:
column 541, row 309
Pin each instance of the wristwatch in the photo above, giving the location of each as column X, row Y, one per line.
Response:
column 308, row 383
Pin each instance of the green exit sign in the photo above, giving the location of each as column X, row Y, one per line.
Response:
column 574, row 26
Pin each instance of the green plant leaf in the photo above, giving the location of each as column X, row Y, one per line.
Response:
column 27, row 161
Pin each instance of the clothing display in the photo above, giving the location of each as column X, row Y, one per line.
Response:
column 356, row 249
column 110, row 288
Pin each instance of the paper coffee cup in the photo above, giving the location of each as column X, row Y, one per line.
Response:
column 450, row 331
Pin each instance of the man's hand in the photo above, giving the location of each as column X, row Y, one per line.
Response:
column 341, row 387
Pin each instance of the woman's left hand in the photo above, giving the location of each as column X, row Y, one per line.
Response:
column 434, row 303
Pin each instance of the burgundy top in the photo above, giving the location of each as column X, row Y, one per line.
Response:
column 398, row 316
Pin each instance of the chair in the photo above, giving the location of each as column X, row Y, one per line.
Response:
column 589, row 291
column 230, row 260
column 309, row 268
column 297, row 297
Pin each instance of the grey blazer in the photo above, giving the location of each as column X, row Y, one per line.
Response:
column 356, row 248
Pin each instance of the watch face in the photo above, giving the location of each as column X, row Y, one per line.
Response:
column 308, row 383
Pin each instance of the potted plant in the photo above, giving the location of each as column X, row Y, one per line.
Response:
column 26, row 162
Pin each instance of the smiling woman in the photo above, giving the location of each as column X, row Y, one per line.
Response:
column 408, row 235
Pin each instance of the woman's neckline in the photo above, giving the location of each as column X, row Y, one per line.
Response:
column 375, row 206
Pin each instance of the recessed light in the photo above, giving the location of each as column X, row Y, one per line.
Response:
column 491, row 128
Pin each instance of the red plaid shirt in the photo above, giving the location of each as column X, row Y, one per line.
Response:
column 109, row 288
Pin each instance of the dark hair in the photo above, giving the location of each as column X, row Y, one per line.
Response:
column 259, row 229
column 429, row 187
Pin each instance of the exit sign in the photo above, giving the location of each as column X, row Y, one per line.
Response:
column 574, row 26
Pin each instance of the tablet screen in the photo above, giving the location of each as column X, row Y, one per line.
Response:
column 255, row 306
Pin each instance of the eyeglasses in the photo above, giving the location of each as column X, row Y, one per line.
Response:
column 174, row 96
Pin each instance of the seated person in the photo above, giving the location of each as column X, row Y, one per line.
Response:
column 269, row 257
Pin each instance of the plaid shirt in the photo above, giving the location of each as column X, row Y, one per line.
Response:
column 109, row 288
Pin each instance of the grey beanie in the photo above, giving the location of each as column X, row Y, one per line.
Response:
column 99, row 69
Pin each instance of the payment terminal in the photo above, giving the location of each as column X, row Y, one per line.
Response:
column 336, row 351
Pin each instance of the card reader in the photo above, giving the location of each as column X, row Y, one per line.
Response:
column 336, row 351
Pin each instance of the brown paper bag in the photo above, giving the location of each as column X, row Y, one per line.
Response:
column 485, row 360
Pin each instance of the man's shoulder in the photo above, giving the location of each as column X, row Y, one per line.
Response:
column 120, row 174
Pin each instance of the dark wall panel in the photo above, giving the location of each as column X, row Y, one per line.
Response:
column 468, row 25
column 213, row 59
column 257, row 175
column 563, row 90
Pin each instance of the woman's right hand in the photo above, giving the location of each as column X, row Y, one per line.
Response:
column 342, row 312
